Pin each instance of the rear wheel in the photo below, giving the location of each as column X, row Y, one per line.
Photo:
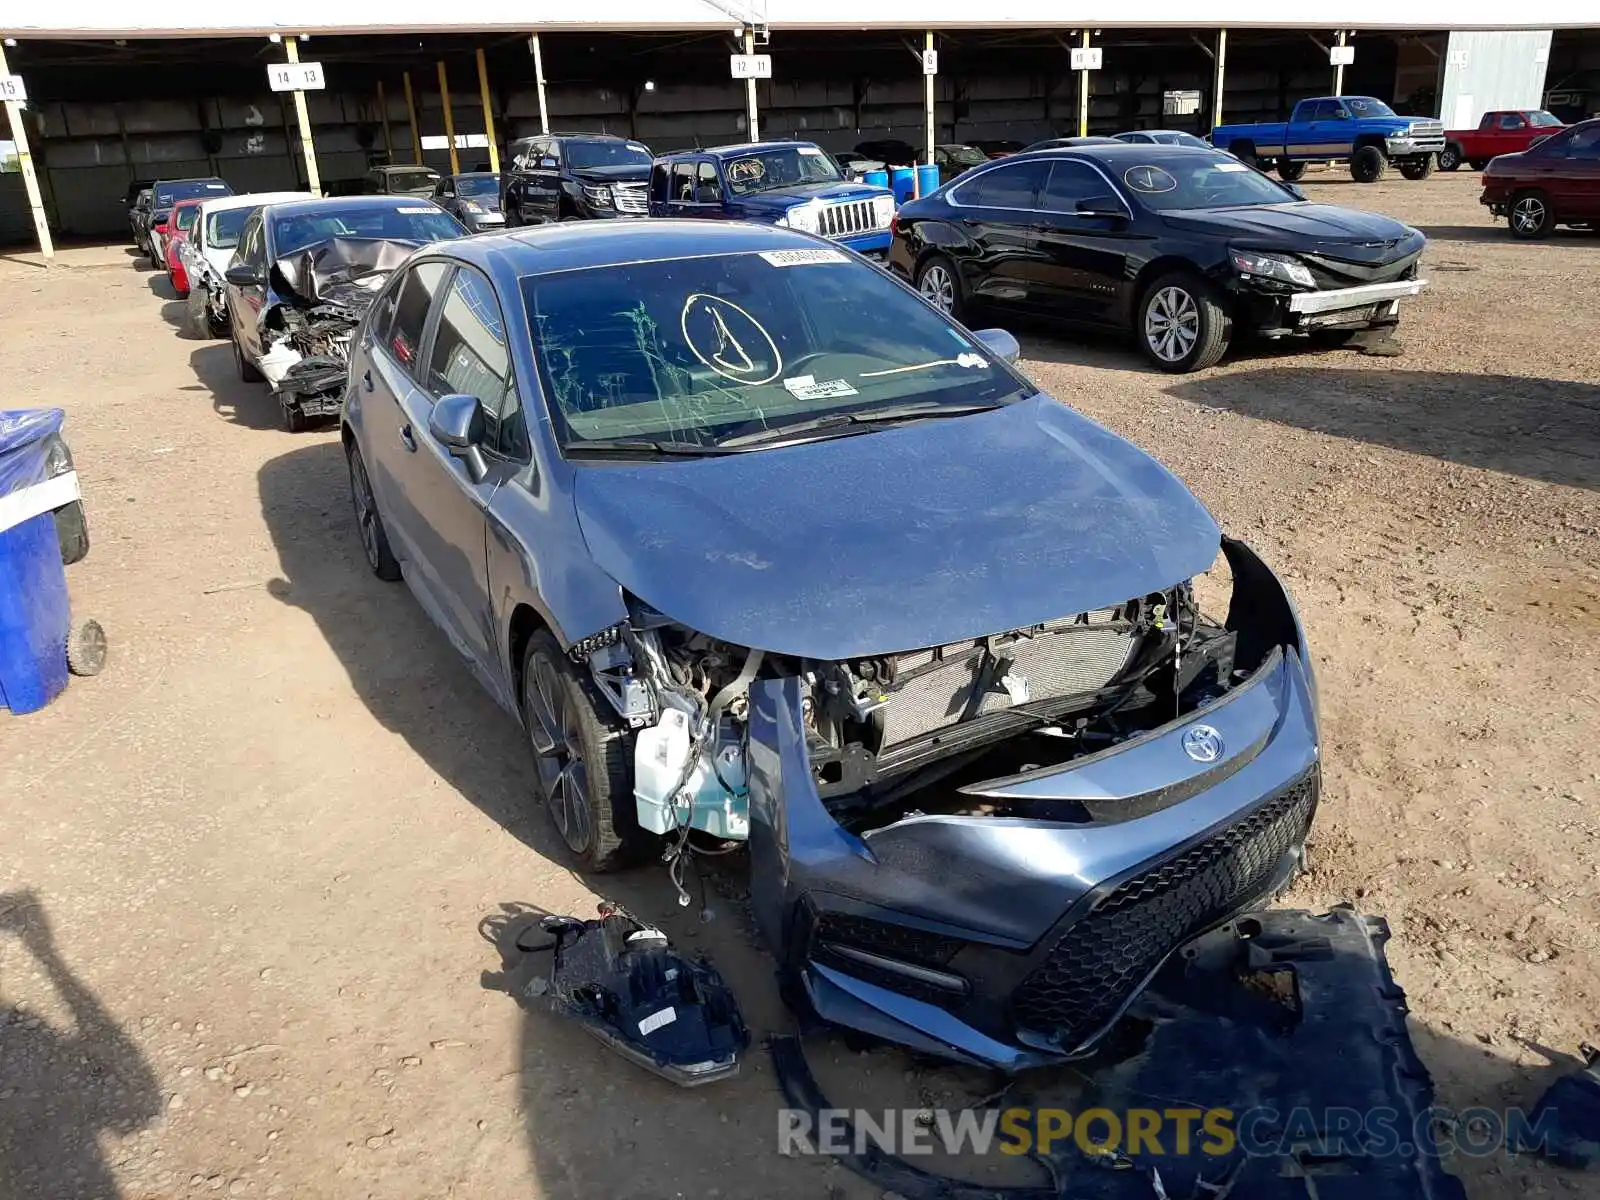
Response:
column 1450, row 158
column 940, row 285
column 1182, row 325
column 1417, row 168
column 1367, row 164
column 1290, row 172
column 1531, row 215
column 583, row 776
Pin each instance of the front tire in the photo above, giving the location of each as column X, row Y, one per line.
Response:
column 1291, row 172
column 583, row 776
column 1531, row 216
column 939, row 283
column 1367, row 164
column 1417, row 168
column 1182, row 325
column 374, row 538
column 248, row 371
column 1450, row 158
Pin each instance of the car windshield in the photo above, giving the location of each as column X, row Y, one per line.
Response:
column 418, row 178
column 478, row 185
column 784, row 167
column 1175, row 137
column 183, row 216
column 1200, row 181
column 169, row 194
column 584, row 156
column 401, row 222
column 966, row 156
column 1366, row 106
column 1543, row 120
column 223, row 228
column 695, row 350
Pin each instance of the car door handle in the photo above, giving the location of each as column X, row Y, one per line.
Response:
column 366, row 381
column 408, row 439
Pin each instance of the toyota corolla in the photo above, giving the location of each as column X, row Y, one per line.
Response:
column 766, row 553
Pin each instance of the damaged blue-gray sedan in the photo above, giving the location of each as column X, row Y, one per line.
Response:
column 759, row 547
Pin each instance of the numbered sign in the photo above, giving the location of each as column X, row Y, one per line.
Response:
column 1341, row 56
column 11, row 88
column 295, row 77
column 751, row 66
column 1086, row 58
column 930, row 62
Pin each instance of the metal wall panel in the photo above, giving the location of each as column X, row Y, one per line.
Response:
column 1488, row 71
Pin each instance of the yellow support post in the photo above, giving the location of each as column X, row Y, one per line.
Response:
column 411, row 112
column 1083, row 94
column 30, row 178
column 383, row 115
column 1219, row 81
column 488, row 113
column 291, row 47
column 449, row 119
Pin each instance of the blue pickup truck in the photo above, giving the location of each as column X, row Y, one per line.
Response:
column 774, row 183
column 1360, row 130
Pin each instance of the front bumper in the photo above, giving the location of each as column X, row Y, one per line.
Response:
column 1411, row 146
column 1009, row 942
column 872, row 244
column 1344, row 299
column 486, row 223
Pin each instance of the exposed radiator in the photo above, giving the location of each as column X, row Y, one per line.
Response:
column 934, row 687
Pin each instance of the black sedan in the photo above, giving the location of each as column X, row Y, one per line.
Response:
column 1181, row 247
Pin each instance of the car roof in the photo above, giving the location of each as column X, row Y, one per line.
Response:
column 406, row 167
column 733, row 148
column 473, row 175
column 189, row 179
column 252, row 200
column 576, row 245
column 1113, row 154
column 300, row 208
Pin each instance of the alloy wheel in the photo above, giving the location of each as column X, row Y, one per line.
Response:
column 1527, row 214
column 558, row 755
column 366, row 508
column 1172, row 324
column 938, row 287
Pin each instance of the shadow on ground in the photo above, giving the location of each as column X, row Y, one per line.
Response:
column 1499, row 233
column 61, row 1089
column 249, row 404
column 1543, row 429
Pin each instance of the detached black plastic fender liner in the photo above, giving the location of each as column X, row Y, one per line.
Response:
column 622, row 981
column 1282, row 1017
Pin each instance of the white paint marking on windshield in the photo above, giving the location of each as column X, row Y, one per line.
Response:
column 970, row 361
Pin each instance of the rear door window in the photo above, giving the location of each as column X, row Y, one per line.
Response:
column 404, row 338
column 1015, row 187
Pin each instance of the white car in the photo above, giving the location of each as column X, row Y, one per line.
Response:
column 209, row 250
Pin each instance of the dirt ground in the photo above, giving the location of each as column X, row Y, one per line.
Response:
column 242, row 872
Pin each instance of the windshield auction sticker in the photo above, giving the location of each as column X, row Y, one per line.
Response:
column 804, row 258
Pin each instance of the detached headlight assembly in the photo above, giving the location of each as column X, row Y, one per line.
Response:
column 597, row 195
column 1271, row 266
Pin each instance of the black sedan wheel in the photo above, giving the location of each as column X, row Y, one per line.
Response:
column 1531, row 215
column 1450, row 158
column 939, row 284
column 583, row 774
column 374, row 538
column 1181, row 325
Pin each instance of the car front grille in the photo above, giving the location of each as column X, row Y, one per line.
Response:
column 848, row 217
column 1094, row 967
column 1342, row 273
column 934, row 688
column 631, row 198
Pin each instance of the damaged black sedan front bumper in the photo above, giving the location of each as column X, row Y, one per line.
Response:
column 1010, row 942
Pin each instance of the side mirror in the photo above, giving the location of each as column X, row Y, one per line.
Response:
column 242, row 275
column 456, row 423
column 999, row 343
column 1101, row 206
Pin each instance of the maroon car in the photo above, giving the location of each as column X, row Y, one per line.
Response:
column 1554, row 183
column 1503, row 131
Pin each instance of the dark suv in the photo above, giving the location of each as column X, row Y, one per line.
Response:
column 575, row 176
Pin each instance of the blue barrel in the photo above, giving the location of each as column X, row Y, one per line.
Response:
column 877, row 178
column 927, row 179
column 34, row 614
column 903, row 181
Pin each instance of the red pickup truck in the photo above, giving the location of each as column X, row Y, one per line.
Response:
column 1504, row 131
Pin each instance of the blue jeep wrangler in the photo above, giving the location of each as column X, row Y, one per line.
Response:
column 776, row 183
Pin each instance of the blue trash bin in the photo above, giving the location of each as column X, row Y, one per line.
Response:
column 35, row 618
column 903, row 181
column 927, row 179
column 876, row 178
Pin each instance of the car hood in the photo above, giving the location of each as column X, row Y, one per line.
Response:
column 780, row 200
column 914, row 536
column 622, row 173
column 1352, row 234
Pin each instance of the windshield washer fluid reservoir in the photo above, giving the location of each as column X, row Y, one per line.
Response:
column 703, row 802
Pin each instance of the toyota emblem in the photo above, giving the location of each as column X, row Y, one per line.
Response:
column 1202, row 743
